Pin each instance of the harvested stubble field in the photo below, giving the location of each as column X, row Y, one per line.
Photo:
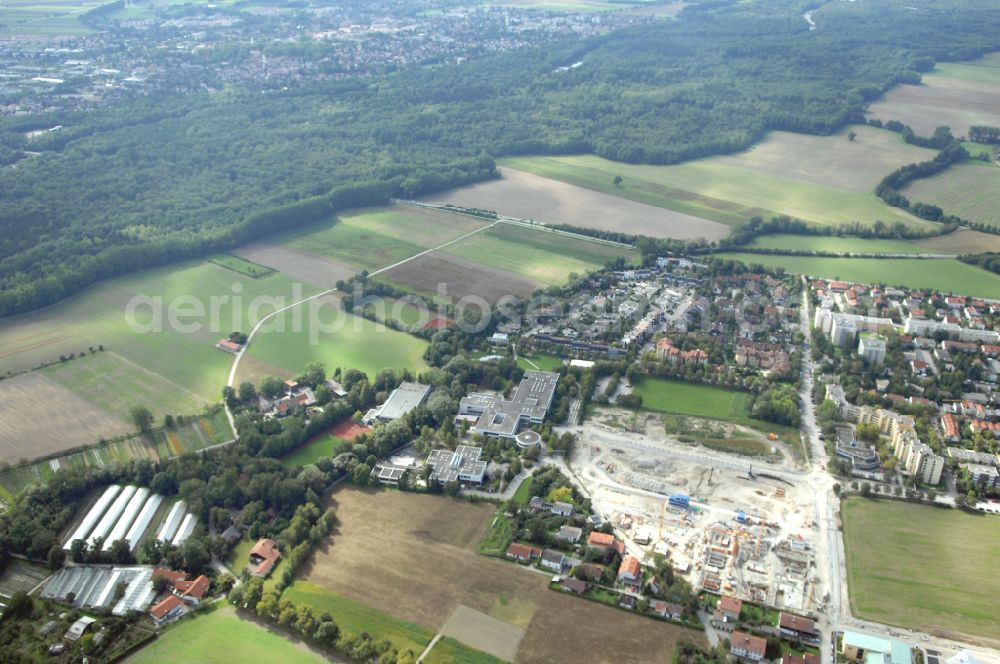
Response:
column 833, row 244
column 39, row 417
column 961, row 242
column 957, row 95
column 537, row 255
column 321, row 272
column 561, row 200
column 968, row 190
column 420, row 565
column 910, row 590
column 829, row 181
column 441, row 273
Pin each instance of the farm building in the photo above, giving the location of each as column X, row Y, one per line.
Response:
column 90, row 519
column 402, row 400
column 501, row 417
column 187, row 527
column 111, row 517
column 172, row 522
column 125, row 521
column 263, row 557
column 142, row 522
column 168, row 609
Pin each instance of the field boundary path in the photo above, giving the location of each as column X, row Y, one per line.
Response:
column 515, row 221
column 239, row 356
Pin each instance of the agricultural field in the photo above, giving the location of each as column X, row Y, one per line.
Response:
column 241, row 265
column 445, row 276
column 833, row 244
column 114, row 384
column 683, row 398
column 45, row 18
column 190, row 436
column 39, row 417
column 556, row 198
column 829, row 181
column 420, row 567
column 20, row 576
column 546, row 258
column 960, row 242
column 909, row 590
column 946, row 274
column 221, row 637
column 375, row 238
column 955, row 94
column 968, row 190
column 329, row 335
column 449, row 651
column 183, row 354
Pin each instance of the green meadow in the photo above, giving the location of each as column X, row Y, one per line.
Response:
column 221, row 637
column 355, row 617
column 968, row 190
column 833, row 244
column 684, row 398
column 930, row 568
column 946, row 275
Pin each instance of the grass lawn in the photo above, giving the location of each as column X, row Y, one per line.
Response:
column 523, row 492
column 975, row 149
column 832, row 244
column 836, row 188
column 945, row 275
column 320, row 446
column 545, row 257
column 967, row 190
column 498, row 534
column 222, row 637
column 929, row 568
column 183, row 354
column 358, row 344
column 539, row 362
column 449, row 651
column 355, row 617
column 675, row 396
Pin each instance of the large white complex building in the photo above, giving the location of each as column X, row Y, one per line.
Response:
column 501, row 417
column 110, row 517
column 128, row 516
column 871, row 348
column 925, row 327
column 93, row 515
column 843, row 328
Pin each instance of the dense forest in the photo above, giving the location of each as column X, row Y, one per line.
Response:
column 162, row 179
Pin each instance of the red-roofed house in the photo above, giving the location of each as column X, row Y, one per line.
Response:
column 192, row 591
column 807, row 658
column 522, row 553
column 797, row 627
column 169, row 609
column 629, row 571
column 728, row 609
column 172, row 577
column 263, row 557
column 748, row 647
column 602, row 541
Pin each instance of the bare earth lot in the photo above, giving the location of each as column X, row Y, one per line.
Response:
column 419, row 565
column 461, row 277
column 301, row 265
column 529, row 196
column 38, row 417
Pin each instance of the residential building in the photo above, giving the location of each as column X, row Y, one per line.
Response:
column 523, row 553
column 728, row 609
column 665, row 350
column 797, row 627
column 553, row 560
column 667, row 610
column 871, row 348
column 591, row 571
column 916, row 458
column 925, row 327
column 747, row 647
column 169, row 609
column 985, row 477
column 805, row 658
column 574, row 586
column 863, row 460
column 971, row 456
column 630, row 571
column 600, row 541
column 570, row 534
column 501, row 417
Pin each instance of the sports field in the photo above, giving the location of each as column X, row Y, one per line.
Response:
column 827, row 180
column 222, row 637
column 947, row 275
column 683, row 398
column 955, row 94
column 420, row 567
column 548, row 258
column 539, row 362
column 833, row 244
column 338, row 339
column 931, row 569
column 179, row 348
column 968, row 190
column 326, row 443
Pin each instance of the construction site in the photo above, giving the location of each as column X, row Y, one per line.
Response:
column 732, row 525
